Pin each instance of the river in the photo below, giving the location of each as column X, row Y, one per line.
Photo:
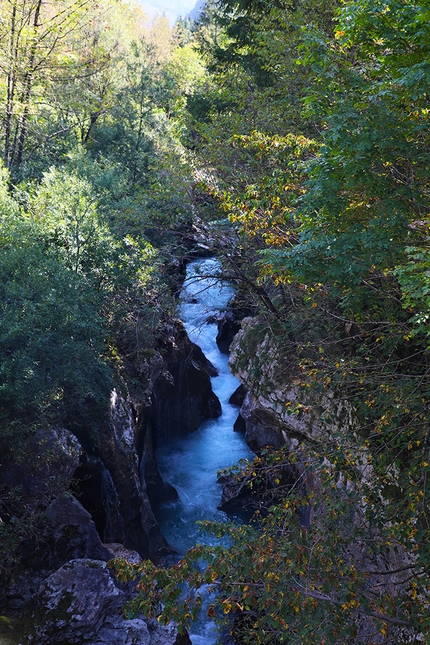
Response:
column 191, row 464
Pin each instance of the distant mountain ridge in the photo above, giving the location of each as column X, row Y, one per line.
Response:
column 194, row 13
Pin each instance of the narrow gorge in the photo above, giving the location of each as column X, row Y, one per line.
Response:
column 215, row 244
column 136, row 493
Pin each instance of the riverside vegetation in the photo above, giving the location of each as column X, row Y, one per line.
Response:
column 292, row 138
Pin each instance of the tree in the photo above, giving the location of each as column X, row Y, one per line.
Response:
column 52, row 327
column 71, row 294
column 36, row 40
column 279, row 581
column 337, row 197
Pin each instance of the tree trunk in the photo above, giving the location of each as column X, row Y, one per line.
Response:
column 28, row 82
column 11, row 81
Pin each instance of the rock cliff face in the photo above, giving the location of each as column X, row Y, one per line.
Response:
column 121, row 484
column 280, row 410
column 119, row 454
column 182, row 394
column 110, row 486
column 82, row 497
column 276, row 409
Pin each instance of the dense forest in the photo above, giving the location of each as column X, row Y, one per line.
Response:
column 292, row 139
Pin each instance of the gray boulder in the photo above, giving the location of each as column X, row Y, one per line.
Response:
column 80, row 605
column 75, row 602
column 118, row 631
column 167, row 634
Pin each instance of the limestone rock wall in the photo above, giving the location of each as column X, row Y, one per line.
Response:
column 276, row 409
column 170, row 395
column 182, row 394
column 100, row 488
